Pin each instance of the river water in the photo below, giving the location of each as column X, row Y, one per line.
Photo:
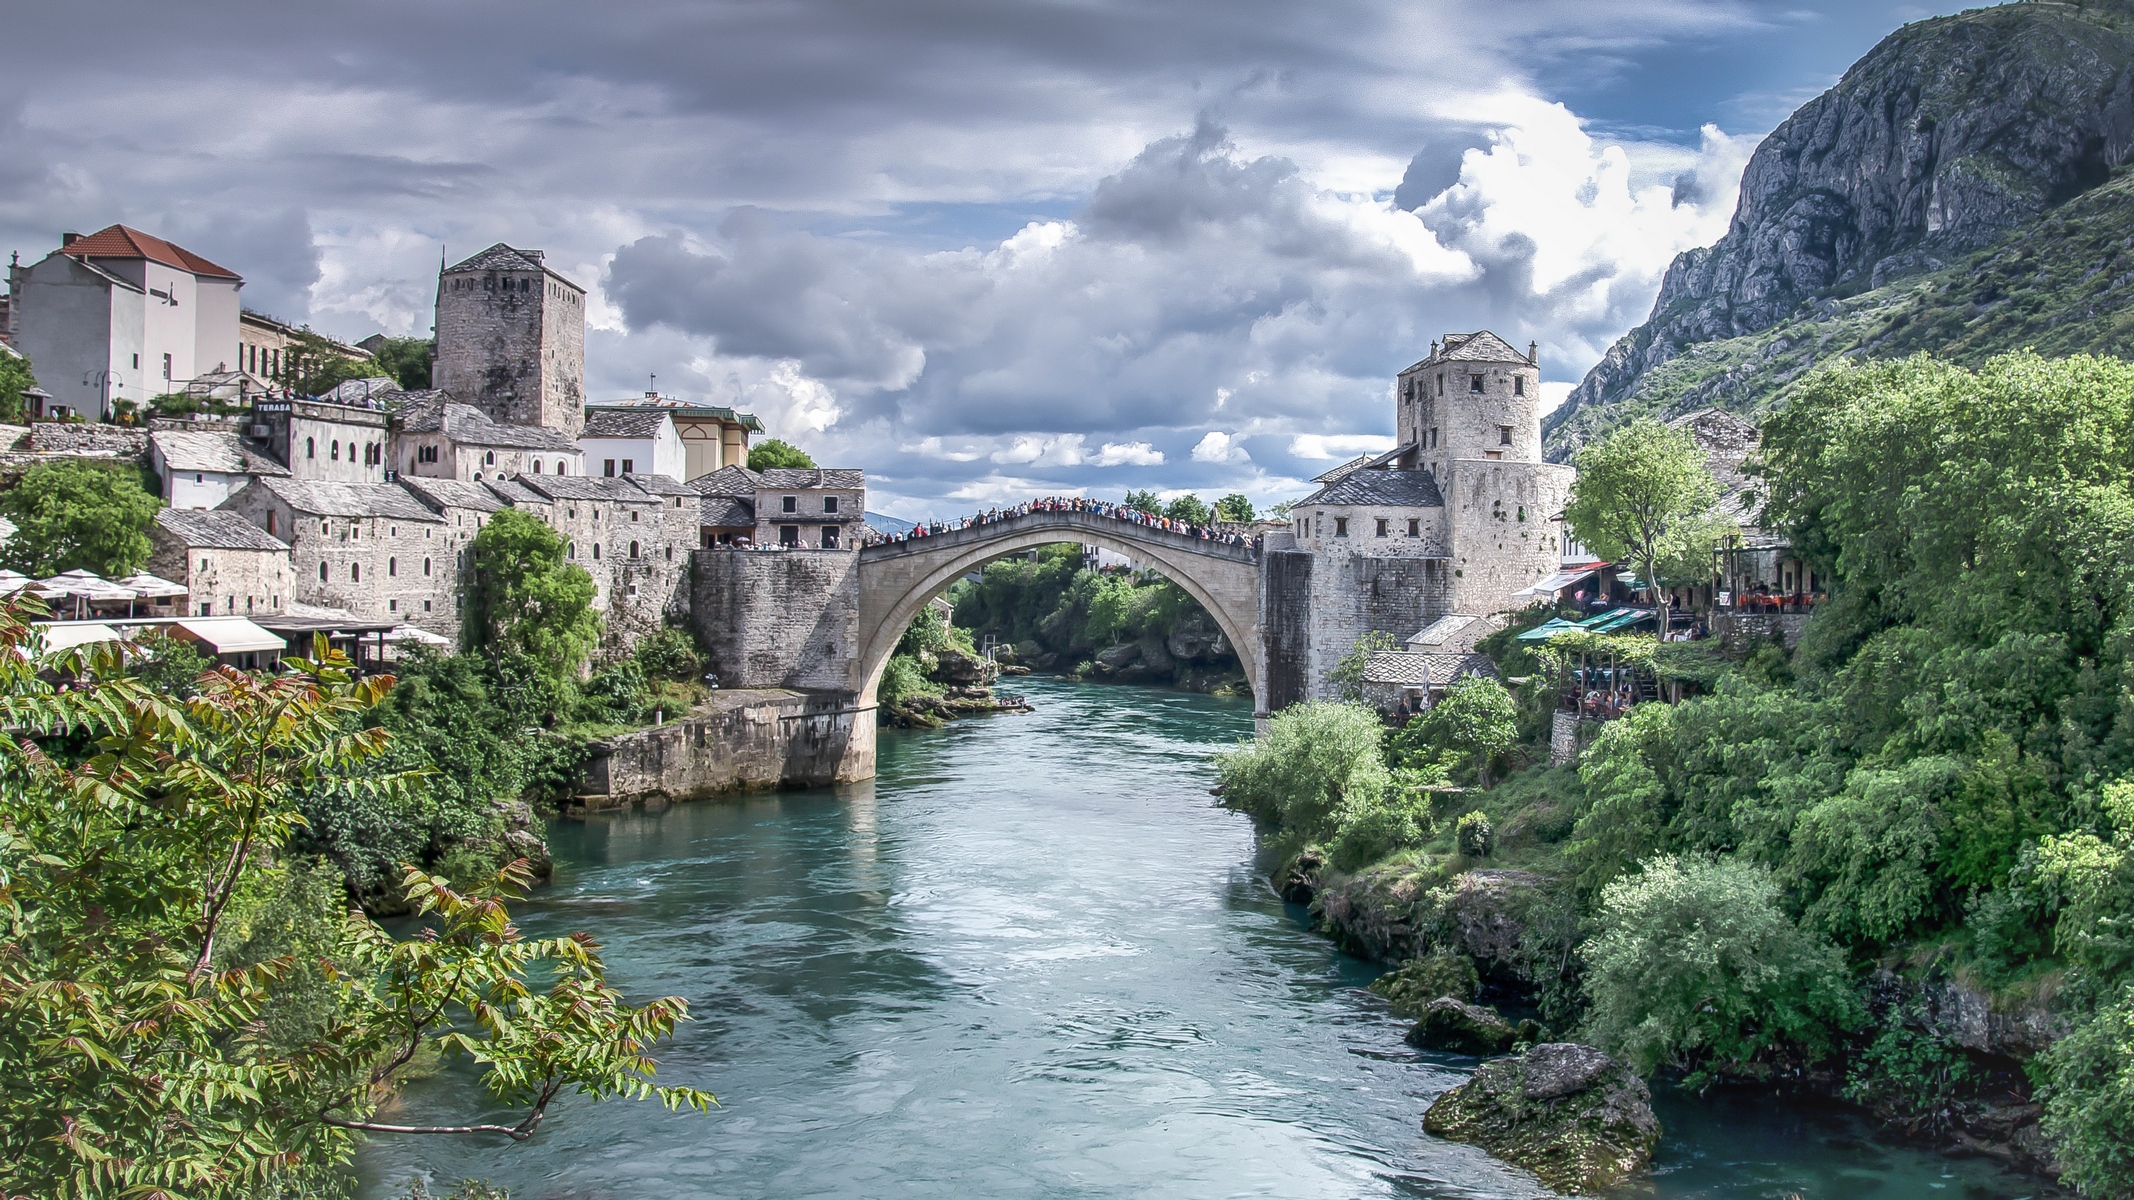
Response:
column 1032, row 959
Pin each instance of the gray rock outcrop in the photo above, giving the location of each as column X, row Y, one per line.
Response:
column 1461, row 1028
column 1949, row 132
column 1578, row 1119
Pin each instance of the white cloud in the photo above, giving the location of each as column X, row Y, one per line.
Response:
column 1218, row 447
column 1132, row 454
column 1062, row 451
column 1322, row 447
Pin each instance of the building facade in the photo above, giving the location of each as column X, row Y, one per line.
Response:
column 627, row 441
column 511, row 339
column 229, row 566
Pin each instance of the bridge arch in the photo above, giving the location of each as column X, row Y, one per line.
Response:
column 897, row 578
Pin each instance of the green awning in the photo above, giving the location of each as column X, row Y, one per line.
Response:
column 1547, row 629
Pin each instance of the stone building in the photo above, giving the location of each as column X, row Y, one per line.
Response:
column 511, row 339
column 371, row 549
column 338, row 443
column 439, row 438
column 633, row 441
column 727, row 512
column 813, row 507
column 1456, row 520
column 712, row 436
column 632, row 534
column 229, row 566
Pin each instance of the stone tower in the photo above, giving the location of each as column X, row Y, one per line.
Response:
column 511, row 339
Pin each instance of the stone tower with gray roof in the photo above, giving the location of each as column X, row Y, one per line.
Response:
column 511, row 339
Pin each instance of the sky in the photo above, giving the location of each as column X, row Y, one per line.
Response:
column 984, row 250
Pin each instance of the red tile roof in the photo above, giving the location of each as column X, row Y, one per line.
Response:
column 119, row 241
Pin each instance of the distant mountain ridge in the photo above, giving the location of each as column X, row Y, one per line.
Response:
column 1964, row 188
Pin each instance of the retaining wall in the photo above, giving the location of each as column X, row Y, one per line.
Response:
column 740, row 741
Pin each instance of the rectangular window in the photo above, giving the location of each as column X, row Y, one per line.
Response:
column 1474, row 383
column 166, row 366
column 629, row 466
column 1518, row 385
column 789, row 535
column 789, row 504
column 607, row 467
column 1381, row 527
column 1504, row 435
column 829, row 504
column 1415, row 527
column 1341, row 526
column 829, row 537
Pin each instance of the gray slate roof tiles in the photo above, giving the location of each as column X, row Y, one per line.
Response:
column 728, row 481
column 203, row 529
column 454, row 493
column 320, row 498
column 726, row 512
column 211, row 450
column 615, row 423
column 1381, row 488
column 434, row 411
column 798, row 479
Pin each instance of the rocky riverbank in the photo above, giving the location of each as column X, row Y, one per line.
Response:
column 1505, row 936
column 957, row 684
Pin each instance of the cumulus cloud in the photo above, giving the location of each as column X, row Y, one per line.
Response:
column 1323, row 448
column 1215, row 446
column 1128, row 454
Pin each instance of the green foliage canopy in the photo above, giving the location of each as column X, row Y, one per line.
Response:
column 77, row 514
column 15, row 379
column 1347, row 675
column 771, row 453
column 406, row 360
column 1189, row 508
column 1642, row 495
column 528, row 599
column 1235, row 507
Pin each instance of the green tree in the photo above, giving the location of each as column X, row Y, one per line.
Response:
column 1235, row 507
column 1317, row 763
column 528, row 598
column 149, row 1047
column 77, row 514
column 1475, row 721
column 171, row 665
column 1643, row 495
column 1347, row 675
column 772, row 453
column 313, row 364
column 1695, row 965
column 406, row 360
column 15, row 379
column 1144, row 500
column 1189, row 508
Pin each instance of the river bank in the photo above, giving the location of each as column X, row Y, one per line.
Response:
column 1031, row 957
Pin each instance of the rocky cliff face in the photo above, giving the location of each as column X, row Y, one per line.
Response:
column 1949, row 133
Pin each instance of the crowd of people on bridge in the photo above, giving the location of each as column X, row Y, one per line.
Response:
column 1067, row 504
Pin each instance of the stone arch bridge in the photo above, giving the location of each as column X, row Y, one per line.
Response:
column 897, row 578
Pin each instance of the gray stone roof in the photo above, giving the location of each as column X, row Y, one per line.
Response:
column 500, row 257
column 728, row 481
column 587, row 487
column 216, row 529
column 661, row 485
column 211, row 450
column 726, row 511
column 1351, row 465
column 1380, row 489
column 514, row 492
column 1482, row 346
column 435, row 411
column 321, row 498
column 1437, row 670
column 454, row 493
column 615, row 423
column 799, row 479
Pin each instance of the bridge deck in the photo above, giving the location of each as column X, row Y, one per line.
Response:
column 1068, row 523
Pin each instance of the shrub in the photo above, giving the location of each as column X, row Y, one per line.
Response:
column 1474, row 835
column 2088, row 1092
column 670, row 654
column 1375, row 823
column 1696, row 966
column 1420, row 980
column 903, row 679
column 1316, row 760
column 173, row 665
column 1473, row 723
column 1347, row 675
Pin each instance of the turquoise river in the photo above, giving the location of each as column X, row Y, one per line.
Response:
column 1033, row 959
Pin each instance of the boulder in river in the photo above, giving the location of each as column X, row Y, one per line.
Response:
column 1578, row 1119
column 1417, row 982
column 1462, row 1028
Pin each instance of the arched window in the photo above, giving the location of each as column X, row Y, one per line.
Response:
column 426, row 566
column 537, row 466
column 337, row 450
column 633, row 549
column 322, row 572
column 559, row 468
column 596, row 551
column 392, row 567
column 311, row 448
column 355, row 572
column 489, row 459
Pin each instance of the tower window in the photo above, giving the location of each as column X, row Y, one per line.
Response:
column 489, row 459
column 633, row 549
column 1415, row 527
column 337, row 451
column 426, row 566
column 607, row 467
column 1518, row 385
column 1474, row 383
column 311, row 448
column 1504, row 435
column 789, row 504
column 392, row 567
column 322, row 572
column 829, row 504
column 355, row 572
column 1440, row 383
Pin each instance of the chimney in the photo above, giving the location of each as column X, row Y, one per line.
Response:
column 1532, row 349
column 535, row 255
column 68, row 238
column 1433, row 348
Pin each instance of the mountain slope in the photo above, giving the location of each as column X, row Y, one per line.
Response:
column 1983, row 142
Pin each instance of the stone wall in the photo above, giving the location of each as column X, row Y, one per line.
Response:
column 1741, row 632
column 778, row 618
column 1285, row 626
column 512, row 343
column 740, row 741
column 231, row 582
column 63, row 437
column 1503, row 538
column 1354, row 595
column 378, row 568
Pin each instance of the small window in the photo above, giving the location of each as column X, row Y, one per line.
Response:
column 166, row 366
column 670, row 554
column 1440, row 383
column 325, row 530
column 1504, row 435
column 829, row 504
column 425, row 606
column 199, row 478
column 789, row 504
column 1474, row 383
column 1415, row 527
column 829, row 537
column 596, row 551
column 426, row 566
column 559, row 467
column 355, row 572
column 789, row 535
column 392, row 606
column 203, row 564
column 270, row 520
column 1518, row 385
column 1382, row 525
column 311, row 448
column 489, row 459
column 607, row 468
column 634, row 514
column 1341, row 526
column 633, row 549
column 322, row 572
column 337, row 451
column 537, row 466
column 629, row 466
column 392, row 567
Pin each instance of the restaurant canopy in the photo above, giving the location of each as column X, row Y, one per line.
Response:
column 230, row 635
column 65, row 635
column 1560, row 580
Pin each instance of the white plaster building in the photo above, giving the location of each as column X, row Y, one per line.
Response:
column 632, row 441
column 122, row 315
column 201, row 469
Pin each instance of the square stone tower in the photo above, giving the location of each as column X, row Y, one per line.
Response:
column 511, row 339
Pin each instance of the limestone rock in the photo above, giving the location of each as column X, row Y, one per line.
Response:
column 1949, row 132
column 1462, row 1028
column 1576, row 1118
column 1115, row 658
column 1417, row 982
column 954, row 666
